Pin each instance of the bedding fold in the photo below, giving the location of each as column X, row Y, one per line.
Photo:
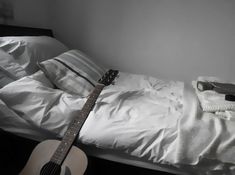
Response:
column 214, row 102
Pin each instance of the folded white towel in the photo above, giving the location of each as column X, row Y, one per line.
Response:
column 227, row 115
column 214, row 102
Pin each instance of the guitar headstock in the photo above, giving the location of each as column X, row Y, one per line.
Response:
column 108, row 77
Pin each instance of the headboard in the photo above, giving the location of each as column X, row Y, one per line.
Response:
column 9, row 30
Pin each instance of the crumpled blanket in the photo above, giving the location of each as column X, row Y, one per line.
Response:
column 144, row 117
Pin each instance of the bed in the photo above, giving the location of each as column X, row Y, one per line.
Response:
column 140, row 120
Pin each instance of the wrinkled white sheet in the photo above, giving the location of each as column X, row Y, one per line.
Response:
column 204, row 140
column 140, row 115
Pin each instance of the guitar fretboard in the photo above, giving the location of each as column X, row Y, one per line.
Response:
column 75, row 127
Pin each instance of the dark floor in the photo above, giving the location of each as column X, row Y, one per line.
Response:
column 103, row 167
column 14, row 153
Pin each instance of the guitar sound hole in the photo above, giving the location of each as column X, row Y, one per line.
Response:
column 50, row 168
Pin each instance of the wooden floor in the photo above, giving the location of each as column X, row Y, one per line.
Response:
column 14, row 153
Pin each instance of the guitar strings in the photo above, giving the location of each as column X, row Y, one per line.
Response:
column 54, row 170
column 47, row 169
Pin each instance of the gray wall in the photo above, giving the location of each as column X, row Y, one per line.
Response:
column 31, row 13
column 174, row 39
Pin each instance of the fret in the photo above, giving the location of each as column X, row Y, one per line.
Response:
column 75, row 126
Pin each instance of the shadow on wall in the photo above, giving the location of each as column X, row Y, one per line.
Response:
column 6, row 12
column 29, row 13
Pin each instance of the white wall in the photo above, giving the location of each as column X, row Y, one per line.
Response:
column 31, row 13
column 174, row 39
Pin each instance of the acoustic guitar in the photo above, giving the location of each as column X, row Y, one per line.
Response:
column 53, row 157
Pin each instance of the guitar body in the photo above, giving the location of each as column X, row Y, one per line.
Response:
column 75, row 162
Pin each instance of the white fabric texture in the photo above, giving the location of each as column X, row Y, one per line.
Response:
column 28, row 50
column 5, row 78
column 12, row 122
column 204, row 140
column 8, row 63
column 10, row 70
column 73, row 72
column 141, row 116
column 212, row 101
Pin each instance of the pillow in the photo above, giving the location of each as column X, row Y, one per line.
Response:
column 28, row 50
column 9, row 69
column 73, row 72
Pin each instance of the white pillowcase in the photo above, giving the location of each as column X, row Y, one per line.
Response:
column 28, row 50
column 9, row 69
column 73, row 72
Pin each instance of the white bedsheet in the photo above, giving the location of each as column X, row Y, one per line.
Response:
column 140, row 115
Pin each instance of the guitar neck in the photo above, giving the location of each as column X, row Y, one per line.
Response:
column 75, row 127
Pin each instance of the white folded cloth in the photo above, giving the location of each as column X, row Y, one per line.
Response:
column 214, row 102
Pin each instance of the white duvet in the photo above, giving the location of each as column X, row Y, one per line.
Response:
column 142, row 116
